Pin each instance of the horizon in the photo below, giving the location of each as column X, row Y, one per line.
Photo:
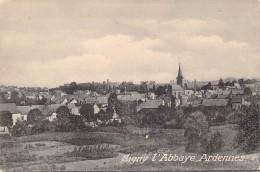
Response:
column 49, row 43
column 189, row 81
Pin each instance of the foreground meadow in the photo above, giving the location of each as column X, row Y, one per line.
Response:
column 105, row 148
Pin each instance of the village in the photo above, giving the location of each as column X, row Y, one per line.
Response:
column 19, row 102
column 72, row 125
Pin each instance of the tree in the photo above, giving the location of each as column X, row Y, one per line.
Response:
column 112, row 99
column 209, row 86
column 196, row 127
column 14, row 98
column 248, row 130
column 241, row 82
column 21, row 128
column 43, row 101
column 233, row 82
column 212, row 142
column 72, row 88
column 103, row 116
column 87, row 112
column 160, row 90
column 6, row 119
column 247, row 91
column 144, row 87
column 173, row 103
column 63, row 112
column 110, row 111
column 221, row 83
column 76, row 122
column 35, row 116
column 2, row 97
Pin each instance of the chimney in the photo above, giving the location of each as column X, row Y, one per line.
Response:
column 108, row 84
column 195, row 85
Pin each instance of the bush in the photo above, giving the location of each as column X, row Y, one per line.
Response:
column 171, row 124
column 196, row 127
column 40, row 127
column 248, row 135
column 212, row 143
column 21, row 128
column 99, row 151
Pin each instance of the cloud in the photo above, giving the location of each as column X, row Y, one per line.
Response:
column 117, row 57
column 3, row 1
column 50, row 45
column 127, row 58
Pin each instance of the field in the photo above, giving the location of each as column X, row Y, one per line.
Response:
column 105, row 148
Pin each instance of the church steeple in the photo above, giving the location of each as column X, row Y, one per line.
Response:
column 180, row 76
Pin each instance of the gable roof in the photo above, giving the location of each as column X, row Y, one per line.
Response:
column 45, row 109
column 250, row 85
column 215, row 102
column 98, row 100
column 237, row 91
column 176, row 88
column 149, row 104
column 71, row 105
column 223, row 92
column 237, row 99
column 11, row 107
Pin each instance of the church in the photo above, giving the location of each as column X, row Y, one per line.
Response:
column 178, row 86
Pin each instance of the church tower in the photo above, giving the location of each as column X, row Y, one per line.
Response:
column 180, row 77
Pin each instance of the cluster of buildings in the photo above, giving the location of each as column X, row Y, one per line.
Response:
column 58, row 98
column 184, row 94
column 190, row 94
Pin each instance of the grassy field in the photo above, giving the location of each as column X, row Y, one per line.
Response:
column 84, row 150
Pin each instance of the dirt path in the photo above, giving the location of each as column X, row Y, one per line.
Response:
column 90, row 165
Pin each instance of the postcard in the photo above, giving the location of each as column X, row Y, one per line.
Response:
column 127, row 85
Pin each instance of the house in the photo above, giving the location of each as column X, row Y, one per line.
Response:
column 237, row 86
column 149, row 105
column 249, row 85
column 102, row 101
column 166, row 100
column 30, row 95
column 258, row 88
column 198, row 94
column 219, row 96
column 189, row 92
column 237, row 102
column 215, row 102
column 78, row 92
column 222, row 92
column 151, row 96
column 237, row 92
column 8, row 95
column 208, row 93
column 73, row 109
column 115, row 117
column 130, row 97
column 193, row 101
column 51, row 111
column 177, row 90
column 12, row 108
column 48, row 110
column 59, row 100
column 42, row 95
column 184, row 99
column 95, row 106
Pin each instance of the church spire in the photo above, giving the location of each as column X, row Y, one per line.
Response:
column 180, row 71
column 180, row 76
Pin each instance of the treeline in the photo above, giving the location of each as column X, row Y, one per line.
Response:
column 22, row 100
column 103, row 88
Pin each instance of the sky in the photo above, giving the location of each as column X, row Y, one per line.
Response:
column 53, row 42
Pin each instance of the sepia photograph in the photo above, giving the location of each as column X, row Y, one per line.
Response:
column 129, row 85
